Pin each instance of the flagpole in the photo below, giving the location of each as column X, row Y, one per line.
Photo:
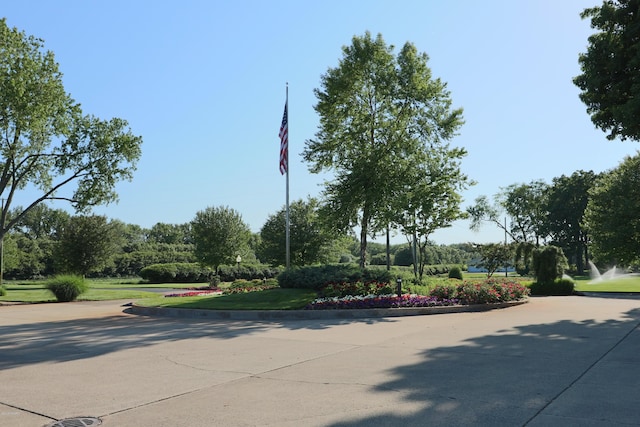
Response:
column 287, row 245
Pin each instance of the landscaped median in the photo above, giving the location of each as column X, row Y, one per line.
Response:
column 338, row 301
column 314, row 314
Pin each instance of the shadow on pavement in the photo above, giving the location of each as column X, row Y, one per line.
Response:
column 511, row 377
column 60, row 341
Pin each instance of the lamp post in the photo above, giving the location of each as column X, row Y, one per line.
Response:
column 238, row 261
column 399, row 286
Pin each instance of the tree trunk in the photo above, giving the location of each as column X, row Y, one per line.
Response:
column 363, row 245
column 388, row 251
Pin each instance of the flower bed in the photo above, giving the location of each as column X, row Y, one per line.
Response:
column 378, row 301
column 200, row 293
column 465, row 293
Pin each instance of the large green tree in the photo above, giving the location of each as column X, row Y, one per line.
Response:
column 524, row 204
column 431, row 200
column 86, row 244
column 612, row 216
column 307, row 237
column 219, row 235
column 46, row 142
column 566, row 201
column 378, row 113
column 610, row 79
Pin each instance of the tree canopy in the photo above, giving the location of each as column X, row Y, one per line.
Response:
column 219, row 235
column 307, row 237
column 610, row 79
column 86, row 243
column 380, row 115
column 612, row 216
column 46, row 142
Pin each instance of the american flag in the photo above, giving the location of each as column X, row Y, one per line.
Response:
column 284, row 142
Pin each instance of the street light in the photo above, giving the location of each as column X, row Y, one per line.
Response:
column 238, row 261
column 399, row 286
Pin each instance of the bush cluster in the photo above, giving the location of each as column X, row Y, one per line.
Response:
column 489, row 291
column 315, row 277
column 229, row 273
column 242, row 286
column 3, row 291
column 356, row 288
column 177, row 272
column 67, row 287
column 556, row 288
column 455, row 273
column 435, row 269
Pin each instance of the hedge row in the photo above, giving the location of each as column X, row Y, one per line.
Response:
column 229, row 273
column 187, row 272
column 315, row 277
column 177, row 272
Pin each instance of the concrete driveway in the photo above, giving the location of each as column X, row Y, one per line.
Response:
column 565, row 361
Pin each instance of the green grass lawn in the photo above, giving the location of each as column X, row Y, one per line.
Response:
column 35, row 292
column 271, row 299
column 281, row 299
column 624, row 284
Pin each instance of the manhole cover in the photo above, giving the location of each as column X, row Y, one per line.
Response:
column 76, row 422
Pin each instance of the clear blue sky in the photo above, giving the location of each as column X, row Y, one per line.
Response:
column 203, row 82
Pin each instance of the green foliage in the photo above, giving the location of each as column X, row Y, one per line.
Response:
column 525, row 205
column 495, row 256
column 443, row 291
column 346, row 259
column 524, row 257
column 356, row 288
column 46, row 142
column 488, row 291
column 86, row 244
column 315, row 277
column 230, row 273
column 455, row 273
column 609, row 79
column 566, row 202
column 3, row 291
column 381, row 117
column 549, row 263
column 244, row 286
column 67, row 287
column 612, row 216
column 555, row 287
column 219, row 234
column 380, row 259
column 403, row 257
column 307, row 238
column 136, row 257
column 177, row 273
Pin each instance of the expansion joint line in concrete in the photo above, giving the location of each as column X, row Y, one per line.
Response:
column 579, row 377
column 28, row 411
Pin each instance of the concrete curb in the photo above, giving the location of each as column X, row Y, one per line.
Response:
column 313, row 314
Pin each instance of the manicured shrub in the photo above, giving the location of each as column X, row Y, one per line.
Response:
column 230, row 273
column 356, row 288
column 243, row 286
column 3, row 291
column 549, row 263
column 380, row 259
column 455, row 273
column 315, row 277
column 555, row 288
column 443, row 291
column 488, row 291
column 67, row 287
column 177, row 272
